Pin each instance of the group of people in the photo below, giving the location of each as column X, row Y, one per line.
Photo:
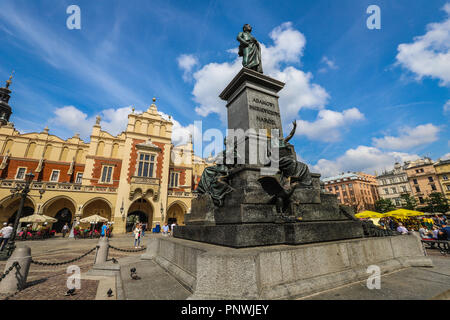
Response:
column 166, row 230
column 139, row 232
column 435, row 227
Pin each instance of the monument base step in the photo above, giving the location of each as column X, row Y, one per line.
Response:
column 263, row 234
column 283, row 271
column 104, row 269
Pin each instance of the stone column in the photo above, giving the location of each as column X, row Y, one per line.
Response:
column 17, row 277
column 152, row 249
column 102, row 251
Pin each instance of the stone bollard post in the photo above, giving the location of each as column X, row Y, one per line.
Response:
column 102, row 251
column 152, row 249
column 16, row 278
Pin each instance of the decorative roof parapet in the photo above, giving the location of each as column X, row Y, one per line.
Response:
column 148, row 145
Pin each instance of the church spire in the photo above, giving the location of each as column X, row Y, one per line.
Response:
column 9, row 81
column 5, row 95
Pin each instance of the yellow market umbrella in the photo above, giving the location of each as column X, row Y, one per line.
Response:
column 37, row 218
column 368, row 214
column 94, row 219
column 413, row 213
column 403, row 213
column 399, row 213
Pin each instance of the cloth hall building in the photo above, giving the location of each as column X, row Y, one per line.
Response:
column 131, row 174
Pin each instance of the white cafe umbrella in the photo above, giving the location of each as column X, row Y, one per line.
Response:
column 38, row 218
column 94, row 219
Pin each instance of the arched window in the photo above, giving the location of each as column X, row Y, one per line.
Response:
column 64, row 154
column 137, row 126
column 100, row 148
column 162, row 132
column 48, row 151
column 80, row 156
column 115, row 151
column 30, row 151
column 150, row 128
column 8, row 147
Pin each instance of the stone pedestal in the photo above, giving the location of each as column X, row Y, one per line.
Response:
column 249, row 219
column 283, row 271
column 252, row 105
column 252, row 101
column 262, row 234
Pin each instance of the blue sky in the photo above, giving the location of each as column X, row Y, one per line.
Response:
column 363, row 98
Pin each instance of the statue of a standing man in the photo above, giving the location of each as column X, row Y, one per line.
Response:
column 249, row 49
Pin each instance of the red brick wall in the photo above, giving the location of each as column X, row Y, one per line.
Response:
column 11, row 170
column 182, row 179
column 195, row 182
column 13, row 164
column 160, row 159
column 97, row 172
column 134, row 155
column 133, row 158
column 49, row 167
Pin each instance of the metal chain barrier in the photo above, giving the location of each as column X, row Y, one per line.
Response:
column 128, row 250
column 64, row 262
column 14, row 265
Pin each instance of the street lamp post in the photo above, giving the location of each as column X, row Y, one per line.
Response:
column 121, row 210
column 162, row 213
column 5, row 254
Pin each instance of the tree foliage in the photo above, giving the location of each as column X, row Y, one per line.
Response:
column 409, row 202
column 384, row 205
column 436, row 202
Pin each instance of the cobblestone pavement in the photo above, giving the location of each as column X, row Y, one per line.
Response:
column 418, row 283
column 50, row 282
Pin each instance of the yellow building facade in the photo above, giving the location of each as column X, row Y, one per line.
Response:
column 442, row 168
column 138, row 173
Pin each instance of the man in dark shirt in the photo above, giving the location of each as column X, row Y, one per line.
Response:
column 445, row 235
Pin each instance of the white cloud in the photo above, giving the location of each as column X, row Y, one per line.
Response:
column 72, row 119
column 364, row 159
column 447, row 107
column 114, row 121
column 446, row 156
column 180, row 134
column 329, row 65
column 329, row 124
column 298, row 93
column 409, row 138
column 429, row 54
column 209, row 82
column 187, row 62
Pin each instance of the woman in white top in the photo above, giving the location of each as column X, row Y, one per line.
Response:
column 137, row 236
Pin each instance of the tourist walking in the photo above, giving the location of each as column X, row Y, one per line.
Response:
column 5, row 234
column 137, row 236
column 104, row 230
column 65, row 229
column 172, row 226
column 165, row 229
